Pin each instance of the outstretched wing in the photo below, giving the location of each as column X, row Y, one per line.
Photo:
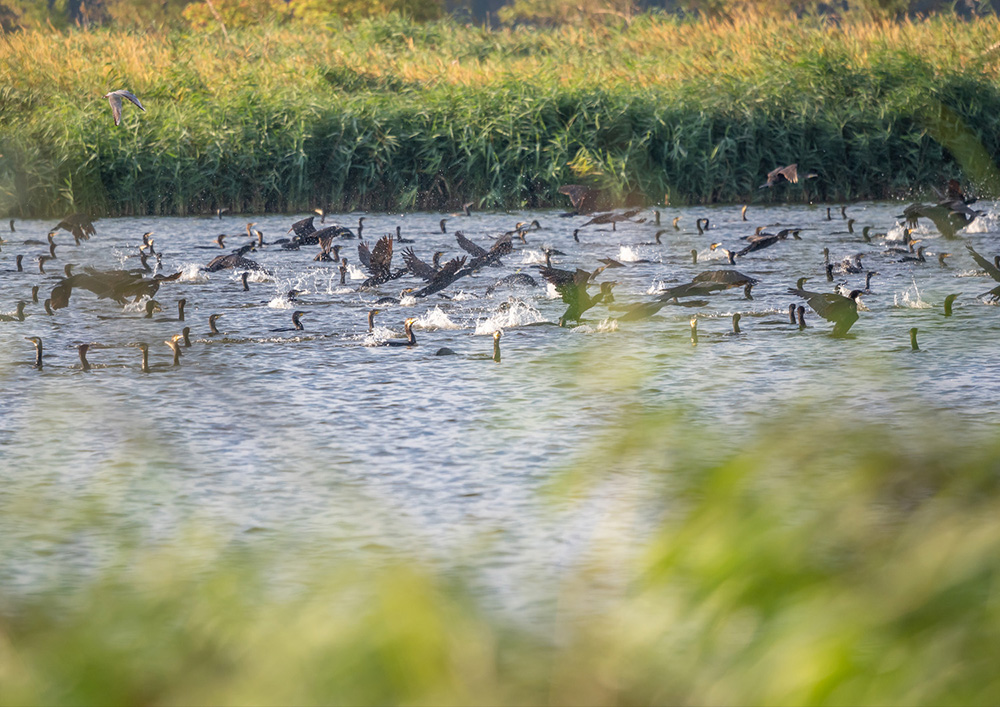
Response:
column 381, row 258
column 985, row 264
column 365, row 254
column 304, row 227
column 116, row 107
column 502, row 247
column 469, row 247
column 417, row 266
column 131, row 97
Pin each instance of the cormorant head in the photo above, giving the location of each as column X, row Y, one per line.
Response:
column 854, row 295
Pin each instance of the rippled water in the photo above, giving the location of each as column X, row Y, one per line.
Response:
column 314, row 434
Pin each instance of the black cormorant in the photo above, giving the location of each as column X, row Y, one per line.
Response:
column 410, row 339
column 842, row 311
column 18, row 316
column 38, row 350
column 213, row 330
column 82, row 350
column 913, row 339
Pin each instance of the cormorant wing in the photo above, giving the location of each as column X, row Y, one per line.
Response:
column 985, row 264
column 365, row 254
column 733, row 278
column 381, row 258
column 470, row 247
column 576, row 194
column 417, row 266
column 304, row 227
column 502, row 247
column 842, row 311
column 449, row 269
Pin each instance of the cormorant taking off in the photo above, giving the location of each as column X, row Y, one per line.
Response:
column 842, row 311
column 572, row 287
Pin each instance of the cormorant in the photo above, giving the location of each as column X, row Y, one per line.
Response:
column 791, row 312
column 572, row 287
column 730, row 256
column 992, row 269
column 38, row 350
column 694, row 256
column 34, row 294
column 378, row 261
column 842, row 311
column 947, row 304
column 698, row 222
column 399, row 236
column 410, row 339
column 913, row 339
column 295, row 322
column 441, row 223
column 17, row 260
column 18, row 316
column 82, row 350
column 694, row 331
column 186, row 336
column 176, row 348
column 676, row 219
column 213, row 330
column 243, row 278
column 48, row 307
column 918, row 258
column 743, row 211
column 801, row 311
column 736, row 323
column 152, row 306
column 941, row 257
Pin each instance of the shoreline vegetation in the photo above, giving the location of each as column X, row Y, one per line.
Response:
column 392, row 115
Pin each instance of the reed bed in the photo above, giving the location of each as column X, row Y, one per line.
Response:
column 389, row 114
column 821, row 562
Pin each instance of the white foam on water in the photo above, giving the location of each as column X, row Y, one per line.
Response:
column 192, row 272
column 532, row 257
column 510, row 314
column 628, row 254
column 909, row 299
column 435, row 319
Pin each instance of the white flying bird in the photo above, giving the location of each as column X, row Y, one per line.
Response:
column 115, row 99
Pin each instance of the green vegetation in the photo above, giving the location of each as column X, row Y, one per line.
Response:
column 391, row 114
column 820, row 563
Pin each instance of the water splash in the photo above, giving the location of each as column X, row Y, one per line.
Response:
column 628, row 254
column 910, row 298
column 435, row 319
column 510, row 314
column 532, row 257
column 192, row 272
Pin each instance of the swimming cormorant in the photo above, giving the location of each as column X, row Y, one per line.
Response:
column 213, row 330
column 791, row 311
column 38, row 350
column 913, row 339
column 694, row 331
column 410, row 339
column 186, row 336
column 34, row 294
column 82, row 350
column 243, row 279
column 176, row 348
column 801, row 311
column 947, row 304
column 918, row 258
column 18, row 316
column 48, row 307
column 736, row 323
column 17, row 261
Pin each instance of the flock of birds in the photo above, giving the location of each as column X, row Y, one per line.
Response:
column 580, row 289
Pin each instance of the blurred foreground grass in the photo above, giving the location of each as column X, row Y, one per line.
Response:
column 826, row 562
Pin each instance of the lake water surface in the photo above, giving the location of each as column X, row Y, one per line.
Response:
column 317, row 438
